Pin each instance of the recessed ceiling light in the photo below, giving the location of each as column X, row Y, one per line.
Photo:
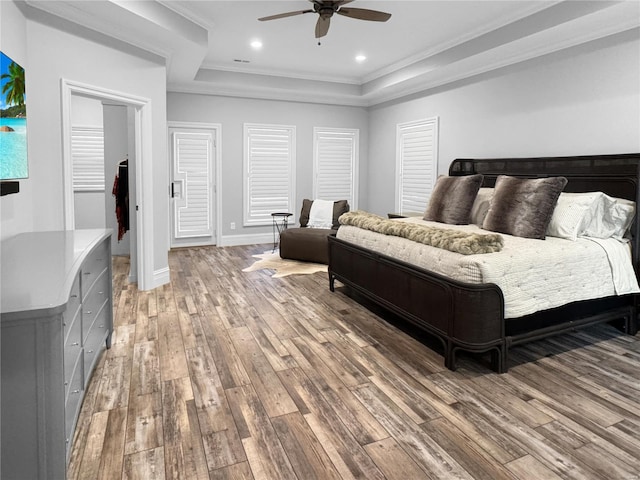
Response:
column 360, row 58
column 256, row 44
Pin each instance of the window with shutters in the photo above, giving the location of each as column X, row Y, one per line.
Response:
column 416, row 164
column 269, row 172
column 335, row 164
column 87, row 156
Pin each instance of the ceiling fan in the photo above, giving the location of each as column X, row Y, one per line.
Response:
column 325, row 10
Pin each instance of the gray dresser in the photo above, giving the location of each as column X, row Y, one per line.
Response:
column 56, row 316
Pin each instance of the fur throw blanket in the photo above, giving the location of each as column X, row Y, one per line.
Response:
column 448, row 239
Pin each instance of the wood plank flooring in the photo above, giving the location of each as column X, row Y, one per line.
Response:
column 229, row 375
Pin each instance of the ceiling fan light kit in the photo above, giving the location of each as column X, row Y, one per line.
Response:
column 325, row 10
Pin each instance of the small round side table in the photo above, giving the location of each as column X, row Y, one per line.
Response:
column 280, row 224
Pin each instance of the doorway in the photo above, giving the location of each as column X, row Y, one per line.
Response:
column 102, row 146
column 194, row 156
column 138, row 115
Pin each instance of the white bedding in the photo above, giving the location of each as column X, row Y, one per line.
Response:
column 533, row 275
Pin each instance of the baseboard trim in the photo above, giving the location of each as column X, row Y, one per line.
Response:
column 161, row 277
column 236, row 240
column 208, row 242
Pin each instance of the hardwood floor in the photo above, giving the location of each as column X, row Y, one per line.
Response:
column 230, row 375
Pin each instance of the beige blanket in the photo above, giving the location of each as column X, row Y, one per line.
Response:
column 448, row 239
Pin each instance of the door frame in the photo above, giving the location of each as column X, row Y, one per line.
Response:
column 217, row 172
column 143, row 165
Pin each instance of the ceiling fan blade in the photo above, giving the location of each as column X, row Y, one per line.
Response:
column 284, row 15
column 364, row 14
column 322, row 26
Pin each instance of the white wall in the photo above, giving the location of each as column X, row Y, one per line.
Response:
column 53, row 55
column 89, row 210
column 582, row 101
column 86, row 111
column 17, row 210
column 232, row 113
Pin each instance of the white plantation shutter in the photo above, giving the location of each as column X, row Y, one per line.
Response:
column 416, row 164
column 87, row 155
column 269, row 170
column 336, row 164
column 192, row 178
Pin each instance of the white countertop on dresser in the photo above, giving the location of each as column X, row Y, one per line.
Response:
column 31, row 263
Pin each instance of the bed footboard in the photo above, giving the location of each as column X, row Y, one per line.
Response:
column 463, row 316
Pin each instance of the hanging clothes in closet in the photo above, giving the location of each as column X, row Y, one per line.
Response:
column 121, row 192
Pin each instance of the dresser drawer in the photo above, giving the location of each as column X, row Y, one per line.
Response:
column 72, row 345
column 97, row 261
column 94, row 301
column 95, row 341
column 73, row 400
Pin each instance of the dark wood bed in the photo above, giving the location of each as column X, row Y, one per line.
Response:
column 470, row 317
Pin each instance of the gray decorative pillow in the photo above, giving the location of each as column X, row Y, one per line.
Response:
column 523, row 207
column 339, row 207
column 452, row 199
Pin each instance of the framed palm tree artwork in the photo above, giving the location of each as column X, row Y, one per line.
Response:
column 13, row 123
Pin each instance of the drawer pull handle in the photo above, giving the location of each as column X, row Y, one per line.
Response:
column 66, row 383
column 74, row 296
column 101, row 293
column 89, row 351
column 87, row 273
column 88, row 312
column 75, row 344
column 100, row 326
column 76, row 391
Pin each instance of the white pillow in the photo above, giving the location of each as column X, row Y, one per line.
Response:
column 591, row 214
column 611, row 218
column 481, row 206
column 573, row 212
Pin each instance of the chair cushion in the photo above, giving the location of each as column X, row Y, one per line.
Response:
column 306, row 244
